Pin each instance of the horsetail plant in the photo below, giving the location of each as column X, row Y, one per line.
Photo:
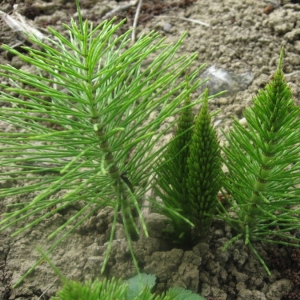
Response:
column 80, row 130
column 204, row 173
column 171, row 175
column 136, row 288
column 189, row 177
column 264, row 169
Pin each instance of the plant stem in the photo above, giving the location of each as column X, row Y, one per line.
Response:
column 256, row 199
column 120, row 185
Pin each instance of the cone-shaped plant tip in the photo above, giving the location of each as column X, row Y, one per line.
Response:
column 263, row 166
column 172, row 172
column 204, row 178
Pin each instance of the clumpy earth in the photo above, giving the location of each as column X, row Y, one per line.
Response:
column 243, row 39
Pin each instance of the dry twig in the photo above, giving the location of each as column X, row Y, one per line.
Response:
column 186, row 19
column 18, row 23
column 136, row 18
column 120, row 8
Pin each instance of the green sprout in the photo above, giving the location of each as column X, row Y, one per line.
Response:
column 264, row 169
column 171, row 175
column 189, row 175
column 204, row 173
column 82, row 131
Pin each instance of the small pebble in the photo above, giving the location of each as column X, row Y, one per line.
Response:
column 167, row 27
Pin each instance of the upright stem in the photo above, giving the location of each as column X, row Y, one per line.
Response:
column 121, row 186
column 260, row 186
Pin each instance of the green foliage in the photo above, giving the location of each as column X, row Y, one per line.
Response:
column 172, row 173
column 141, row 283
column 106, row 289
column 136, row 288
column 189, row 175
column 262, row 186
column 83, row 135
column 82, row 132
column 182, row 294
column 204, row 176
column 264, row 168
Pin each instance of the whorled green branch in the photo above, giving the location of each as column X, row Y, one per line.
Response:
column 83, row 134
column 263, row 168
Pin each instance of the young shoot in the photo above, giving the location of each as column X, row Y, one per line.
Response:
column 264, row 169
